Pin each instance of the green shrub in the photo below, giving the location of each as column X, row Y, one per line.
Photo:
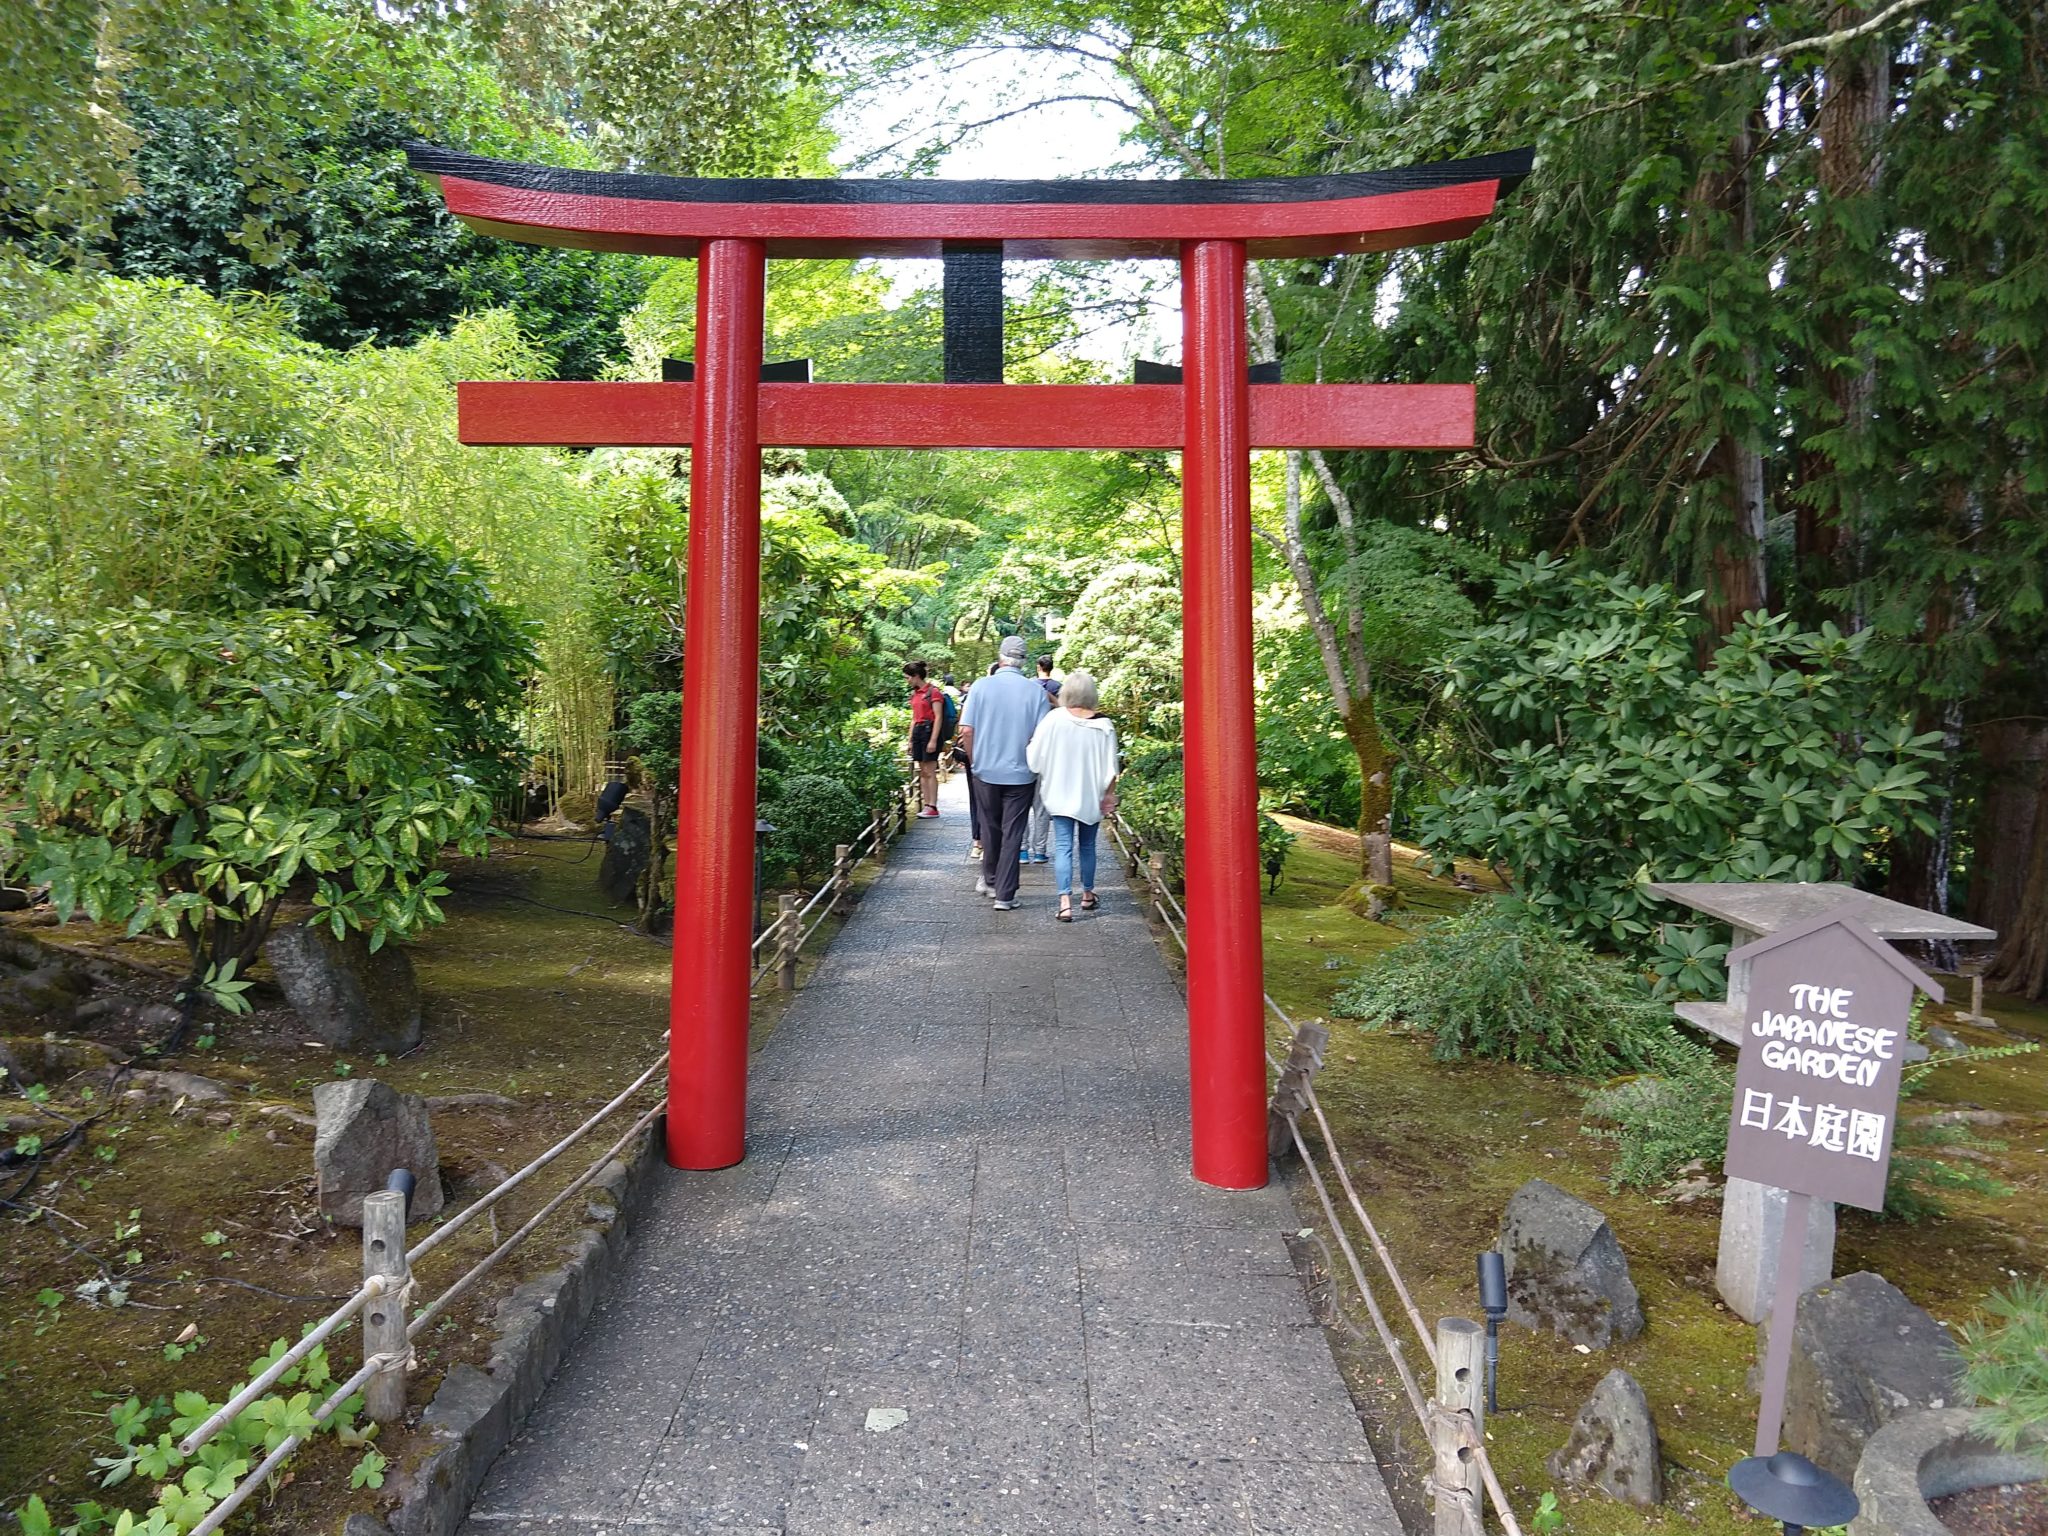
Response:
column 2005, row 1366
column 388, row 593
column 869, row 773
column 885, row 727
column 812, row 815
column 1152, row 799
column 182, row 773
column 1613, row 758
column 1660, row 1124
column 1501, row 983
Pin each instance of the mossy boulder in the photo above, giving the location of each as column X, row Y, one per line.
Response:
column 1613, row 1445
column 1566, row 1271
column 352, row 997
column 1370, row 899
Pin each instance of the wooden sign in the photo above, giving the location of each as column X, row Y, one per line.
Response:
column 1823, row 1045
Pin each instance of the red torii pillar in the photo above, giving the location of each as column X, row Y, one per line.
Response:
column 1214, row 416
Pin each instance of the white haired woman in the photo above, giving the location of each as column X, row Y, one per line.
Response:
column 1074, row 754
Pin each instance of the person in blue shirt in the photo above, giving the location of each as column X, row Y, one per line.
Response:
column 1003, row 709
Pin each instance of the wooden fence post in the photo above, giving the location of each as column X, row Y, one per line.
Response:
column 1133, row 851
column 384, row 1317
column 842, row 878
column 902, row 810
column 1458, row 1425
column 1155, row 871
column 787, row 935
column 881, row 826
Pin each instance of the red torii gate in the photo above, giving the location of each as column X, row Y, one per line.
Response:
column 1213, row 414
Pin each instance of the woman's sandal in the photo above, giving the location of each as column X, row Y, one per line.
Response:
column 1089, row 903
column 1065, row 913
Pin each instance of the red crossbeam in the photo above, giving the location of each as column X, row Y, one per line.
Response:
column 1066, row 231
column 1073, row 416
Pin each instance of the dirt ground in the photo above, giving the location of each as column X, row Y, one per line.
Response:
column 537, row 996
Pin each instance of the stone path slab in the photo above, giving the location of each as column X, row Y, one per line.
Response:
column 963, row 1281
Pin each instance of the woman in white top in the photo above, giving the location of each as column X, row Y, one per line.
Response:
column 1074, row 754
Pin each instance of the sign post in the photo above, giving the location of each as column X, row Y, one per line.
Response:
column 1824, row 1044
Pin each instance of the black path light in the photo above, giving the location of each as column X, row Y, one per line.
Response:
column 402, row 1181
column 1493, row 1297
column 1788, row 1488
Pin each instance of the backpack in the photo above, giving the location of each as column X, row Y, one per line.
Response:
column 949, row 716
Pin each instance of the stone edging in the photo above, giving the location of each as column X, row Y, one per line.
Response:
column 1926, row 1455
column 475, row 1413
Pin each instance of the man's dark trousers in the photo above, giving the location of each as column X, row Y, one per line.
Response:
column 1005, row 814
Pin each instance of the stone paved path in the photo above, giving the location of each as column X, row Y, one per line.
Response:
column 963, row 1281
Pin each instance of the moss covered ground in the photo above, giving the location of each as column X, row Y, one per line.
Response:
column 535, row 990
column 1437, row 1148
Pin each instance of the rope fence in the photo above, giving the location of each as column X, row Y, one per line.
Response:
column 388, row 1332
column 1454, row 1419
column 784, row 938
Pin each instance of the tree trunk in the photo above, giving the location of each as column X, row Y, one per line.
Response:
column 2022, row 964
column 1733, row 517
column 1854, row 106
column 1375, row 772
column 2008, row 880
column 1735, row 562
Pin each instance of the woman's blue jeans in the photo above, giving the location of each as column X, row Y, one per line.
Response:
column 1066, row 830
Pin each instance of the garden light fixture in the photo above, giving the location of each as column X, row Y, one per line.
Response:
column 1793, row 1491
column 1493, row 1297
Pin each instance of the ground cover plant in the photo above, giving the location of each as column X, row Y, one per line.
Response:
column 170, row 1241
column 1499, row 981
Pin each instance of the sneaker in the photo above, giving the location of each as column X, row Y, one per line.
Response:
column 1023, row 857
column 982, row 888
column 1041, row 858
column 1005, row 906
column 974, row 853
column 930, row 810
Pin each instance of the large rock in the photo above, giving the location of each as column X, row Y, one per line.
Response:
column 31, row 1059
column 1613, row 1444
column 1862, row 1355
column 626, row 852
column 363, row 1130
column 349, row 997
column 43, row 997
column 1566, row 1272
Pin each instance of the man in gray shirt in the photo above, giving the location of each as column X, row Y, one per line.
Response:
column 1002, row 711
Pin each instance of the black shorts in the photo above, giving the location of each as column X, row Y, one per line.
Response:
column 921, row 749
